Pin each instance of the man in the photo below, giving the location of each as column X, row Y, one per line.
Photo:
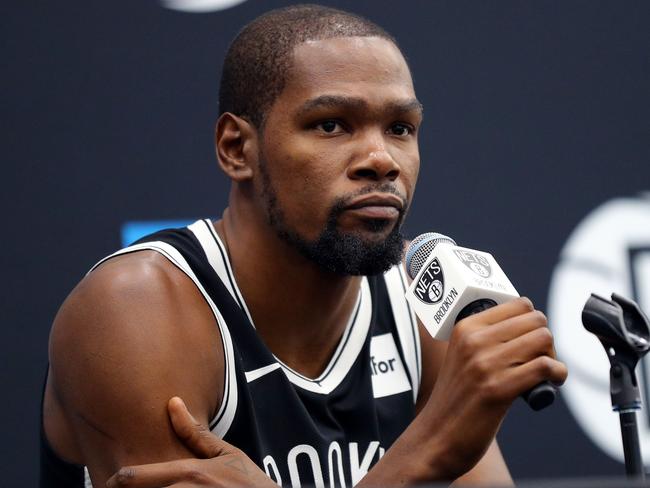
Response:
column 275, row 323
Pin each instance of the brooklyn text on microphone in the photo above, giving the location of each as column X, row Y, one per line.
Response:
column 451, row 278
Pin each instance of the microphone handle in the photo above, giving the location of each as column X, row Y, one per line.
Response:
column 538, row 397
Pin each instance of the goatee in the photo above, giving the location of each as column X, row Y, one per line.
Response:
column 343, row 253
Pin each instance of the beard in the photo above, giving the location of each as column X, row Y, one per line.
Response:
column 345, row 253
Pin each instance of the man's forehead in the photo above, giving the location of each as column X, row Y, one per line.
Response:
column 349, row 71
column 368, row 59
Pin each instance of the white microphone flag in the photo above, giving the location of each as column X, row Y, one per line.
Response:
column 451, row 278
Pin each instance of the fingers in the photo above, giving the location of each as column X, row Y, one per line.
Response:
column 525, row 348
column 525, row 320
column 525, row 376
column 156, row 475
column 504, row 311
column 509, row 349
column 513, row 327
column 196, row 436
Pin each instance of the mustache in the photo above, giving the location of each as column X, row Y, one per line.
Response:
column 342, row 202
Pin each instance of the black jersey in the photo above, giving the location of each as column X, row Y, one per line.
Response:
column 325, row 431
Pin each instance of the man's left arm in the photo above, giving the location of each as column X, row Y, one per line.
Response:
column 491, row 469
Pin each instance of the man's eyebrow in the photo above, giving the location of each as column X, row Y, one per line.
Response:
column 332, row 101
column 410, row 105
column 340, row 101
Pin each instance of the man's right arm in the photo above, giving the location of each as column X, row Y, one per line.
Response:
column 134, row 333
column 492, row 357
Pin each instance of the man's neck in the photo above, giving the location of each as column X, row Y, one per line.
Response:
column 299, row 309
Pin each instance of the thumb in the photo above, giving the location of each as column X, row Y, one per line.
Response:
column 196, row 436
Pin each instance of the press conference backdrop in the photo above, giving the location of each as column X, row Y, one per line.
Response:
column 535, row 146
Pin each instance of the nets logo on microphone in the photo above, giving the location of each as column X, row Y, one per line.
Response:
column 430, row 288
column 474, row 261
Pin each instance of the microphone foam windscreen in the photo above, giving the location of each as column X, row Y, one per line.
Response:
column 421, row 248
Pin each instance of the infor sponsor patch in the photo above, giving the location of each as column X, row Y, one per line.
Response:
column 386, row 368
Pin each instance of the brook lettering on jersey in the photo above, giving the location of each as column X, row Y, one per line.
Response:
column 344, row 466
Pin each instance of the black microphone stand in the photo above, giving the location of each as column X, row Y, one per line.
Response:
column 624, row 332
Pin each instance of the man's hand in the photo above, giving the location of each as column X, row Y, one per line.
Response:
column 492, row 358
column 220, row 463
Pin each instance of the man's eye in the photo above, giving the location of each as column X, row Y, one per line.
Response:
column 401, row 129
column 329, row 126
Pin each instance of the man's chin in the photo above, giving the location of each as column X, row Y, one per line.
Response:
column 361, row 251
column 370, row 241
column 370, row 230
column 358, row 252
column 349, row 246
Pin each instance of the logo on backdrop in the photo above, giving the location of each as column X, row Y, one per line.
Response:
column 135, row 229
column 474, row 261
column 431, row 285
column 609, row 251
column 200, row 6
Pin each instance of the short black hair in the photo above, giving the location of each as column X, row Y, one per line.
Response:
column 260, row 56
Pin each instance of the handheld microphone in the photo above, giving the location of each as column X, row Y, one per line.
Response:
column 452, row 282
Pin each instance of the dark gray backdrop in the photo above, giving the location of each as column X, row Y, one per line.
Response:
column 535, row 112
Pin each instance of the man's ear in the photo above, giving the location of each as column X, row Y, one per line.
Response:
column 236, row 145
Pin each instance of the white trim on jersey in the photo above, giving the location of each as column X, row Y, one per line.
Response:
column 347, row 351
column 224, row 417
column 218, row 258
column 406, row 325
column 353, row 337
column 259, row 372
column 87, row 481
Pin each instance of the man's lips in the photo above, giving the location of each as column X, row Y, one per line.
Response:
column 376, row 206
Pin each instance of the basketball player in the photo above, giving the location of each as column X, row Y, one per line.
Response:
column 283, row 326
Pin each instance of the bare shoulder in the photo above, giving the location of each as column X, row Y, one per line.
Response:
column 135, row 332
column 135, row 303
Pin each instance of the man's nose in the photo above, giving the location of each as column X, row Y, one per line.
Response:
column 375, row 163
